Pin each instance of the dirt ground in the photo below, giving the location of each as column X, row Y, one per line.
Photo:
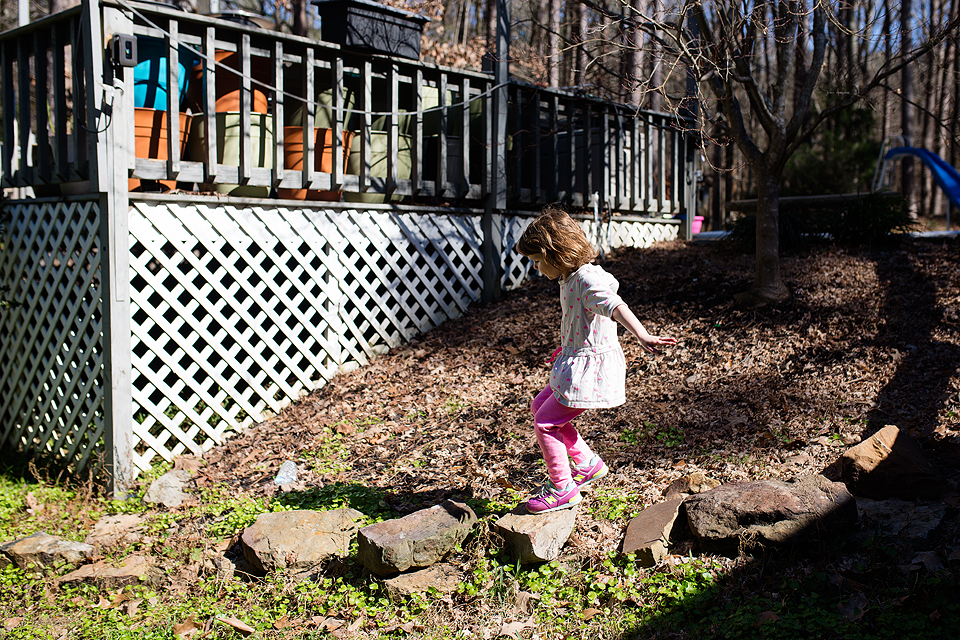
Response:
column 868, row 339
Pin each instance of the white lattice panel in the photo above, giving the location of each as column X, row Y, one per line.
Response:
column 633, row 233
column 516, row 268
column 239, row 310
column 51, row 378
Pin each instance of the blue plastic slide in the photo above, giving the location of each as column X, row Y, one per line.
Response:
column 945, row 175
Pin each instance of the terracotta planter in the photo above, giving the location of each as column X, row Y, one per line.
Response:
column 228, row 84
column 323, row 160
column 150, row 129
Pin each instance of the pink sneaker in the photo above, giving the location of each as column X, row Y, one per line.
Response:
column 589, row 471
column 551, row 498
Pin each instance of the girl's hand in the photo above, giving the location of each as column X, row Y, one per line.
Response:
column 650, row 343
column 624, row 316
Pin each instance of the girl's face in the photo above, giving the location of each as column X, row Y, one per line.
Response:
column 545, row 267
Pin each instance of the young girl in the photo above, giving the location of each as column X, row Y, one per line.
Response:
column 589, row 369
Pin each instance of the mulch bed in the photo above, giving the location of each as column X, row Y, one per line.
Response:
column 868, row 339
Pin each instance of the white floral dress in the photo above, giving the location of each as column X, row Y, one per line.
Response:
column 590, row 370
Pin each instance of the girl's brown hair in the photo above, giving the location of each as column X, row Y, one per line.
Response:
column 559, row 238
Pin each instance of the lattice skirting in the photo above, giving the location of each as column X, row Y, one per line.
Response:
column 238, row 311
column 619, row 232
column 51, row 352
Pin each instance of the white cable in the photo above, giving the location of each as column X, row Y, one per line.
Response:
column 207, row 58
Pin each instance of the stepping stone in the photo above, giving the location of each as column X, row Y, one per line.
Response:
column 648, row 535
column 133, row 570
column 298, row 541
column 42, row 550
column 771, row 512
column 899, row 520
column 123, row 529
column 890, row 464
column 420, row 539
column 690, row 484
column 444, row 578
column 536, row 537
column 168, row 489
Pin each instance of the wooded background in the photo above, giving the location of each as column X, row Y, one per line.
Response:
column 608, row 48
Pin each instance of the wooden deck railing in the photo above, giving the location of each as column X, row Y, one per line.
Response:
column 249, row 100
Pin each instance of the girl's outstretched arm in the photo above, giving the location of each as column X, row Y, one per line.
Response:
column 624, row 316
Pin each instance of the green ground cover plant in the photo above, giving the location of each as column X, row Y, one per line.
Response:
column 870, row 338
column 756, row 595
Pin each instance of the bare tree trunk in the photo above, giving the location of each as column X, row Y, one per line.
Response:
column 553, row 42
column 844, row 48
column 925, row 66
column 768, row 284
column 887, row 55
column 578, row 29
column 728, row 182
column 954, row 45
column 716, row 200
column 634, row 58
column 653, row 72
column 906, row 107
column 491, row 20
column 801, row 51
column 939, row 100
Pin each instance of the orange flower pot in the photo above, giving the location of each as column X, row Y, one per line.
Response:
column 150, row 129
column 323, row 160
column 228, row 84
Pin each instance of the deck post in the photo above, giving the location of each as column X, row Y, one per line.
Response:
column 496, row 201
column 113, row 146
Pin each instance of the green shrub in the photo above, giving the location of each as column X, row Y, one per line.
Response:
column 871, row 220
column 797, row 230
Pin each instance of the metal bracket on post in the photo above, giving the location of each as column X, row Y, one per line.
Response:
column 492, row 222
column 113, row 146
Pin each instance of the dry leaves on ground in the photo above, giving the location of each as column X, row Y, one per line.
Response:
column 866, row 340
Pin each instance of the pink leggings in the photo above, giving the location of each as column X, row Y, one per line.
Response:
column 557, row 436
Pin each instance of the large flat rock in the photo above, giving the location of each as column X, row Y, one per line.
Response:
column 41, row 550
column 909, row 523
column 771, row 512
column 420, row 539
column 298, row 541
column 122, row 529
column 444, row 578
column 134, row 569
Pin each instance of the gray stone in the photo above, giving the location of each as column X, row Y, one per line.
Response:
column 648, row 535
column 536, row 537
column 133, row 570
column 42, row 549
column 298, row 541
column 690, row 484
column 420, row 539
column 444, row 578
column 770, row 512
column 168, row 489
column 890, row 464
column 122, row 529
column 899, row 520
